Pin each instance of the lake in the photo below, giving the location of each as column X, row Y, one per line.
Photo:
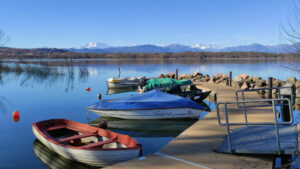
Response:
column 46, row 89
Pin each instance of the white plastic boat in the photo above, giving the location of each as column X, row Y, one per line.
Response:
column 150, row 105
column 125, row 82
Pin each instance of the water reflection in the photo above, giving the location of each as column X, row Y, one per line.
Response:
column 119, row 90
column 54, row 160
column 31, row 74
column 147, row 128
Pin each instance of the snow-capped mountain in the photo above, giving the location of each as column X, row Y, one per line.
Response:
column 94, row 45
column 203, row 47
column 99, row 47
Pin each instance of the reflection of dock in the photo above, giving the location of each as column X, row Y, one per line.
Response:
column 196, row 147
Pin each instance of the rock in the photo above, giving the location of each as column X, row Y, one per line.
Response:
column 238, row 79
column 184, row 76
column 291, row 80
column 297, row 85
column 212, row 79
column 196, row 74
column 218, row 81
column 274, row 91
column 244, row 76
column 255, row 78
column 245, row 86
column 219, row 75
column 297, row 101
column 206, row 79
column 252, row 86
column 223, row 82
column 276, row 83
column 170, row 75
column 161, row 76
column 261, row 83
column 224, row 76
column 288, row 91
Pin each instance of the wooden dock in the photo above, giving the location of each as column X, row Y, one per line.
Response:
column 196, row 146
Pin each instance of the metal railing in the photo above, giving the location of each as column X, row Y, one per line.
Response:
column 275, row 123
column 291, row 95
column 280, row 96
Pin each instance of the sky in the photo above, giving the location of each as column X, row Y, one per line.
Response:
column 72, row 23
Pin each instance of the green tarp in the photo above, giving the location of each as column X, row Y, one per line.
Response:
column 165, row 83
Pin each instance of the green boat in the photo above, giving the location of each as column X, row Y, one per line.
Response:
column 183, row 88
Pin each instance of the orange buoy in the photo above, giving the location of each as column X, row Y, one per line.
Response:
column 16, row 119
column 16, row 116
column 138, row 90
column 88, row 89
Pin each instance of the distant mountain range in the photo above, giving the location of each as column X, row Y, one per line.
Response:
column 99, row 47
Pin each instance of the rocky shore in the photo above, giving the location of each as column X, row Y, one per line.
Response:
column 242, row 81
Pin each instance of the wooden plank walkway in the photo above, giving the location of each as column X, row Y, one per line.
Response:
column 196, row 146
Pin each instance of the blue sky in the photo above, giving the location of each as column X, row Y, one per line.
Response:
column 71, row 23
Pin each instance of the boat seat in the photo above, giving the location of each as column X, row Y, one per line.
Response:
column 76, row 137
column 56, row 127
column 100, row 143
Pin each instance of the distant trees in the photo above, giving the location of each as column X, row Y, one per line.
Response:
column 43, row 53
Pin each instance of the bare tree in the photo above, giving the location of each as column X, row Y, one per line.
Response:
column 290, row 34
column 290, row 31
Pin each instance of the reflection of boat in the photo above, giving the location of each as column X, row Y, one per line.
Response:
column 54, row 160
column 119, row 90
column 150, row 105
column 85, row 143
column 145, row 125
column 126, row 82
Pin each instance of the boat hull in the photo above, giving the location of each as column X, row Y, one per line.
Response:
column 92, row 157
column 172, row 113
column 112, row 85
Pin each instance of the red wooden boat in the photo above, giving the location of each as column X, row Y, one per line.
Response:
column 85, row 143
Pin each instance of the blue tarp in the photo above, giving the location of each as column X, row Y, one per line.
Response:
column 154, row 99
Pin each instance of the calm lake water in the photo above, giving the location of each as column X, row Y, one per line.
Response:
column 56, row 89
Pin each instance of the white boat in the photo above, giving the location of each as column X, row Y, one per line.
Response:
column 125, row 82
column 150, row 105
column 85, row 143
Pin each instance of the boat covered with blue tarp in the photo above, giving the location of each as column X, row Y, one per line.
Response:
column 150, row 105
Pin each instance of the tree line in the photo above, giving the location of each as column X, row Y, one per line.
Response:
column 53, row 53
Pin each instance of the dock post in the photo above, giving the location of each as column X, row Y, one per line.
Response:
column 270, row 84
column 230, row 78
column 286, row 109
column 176, row 75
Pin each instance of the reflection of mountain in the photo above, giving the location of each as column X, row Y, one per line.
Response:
column 54, row 160
column 43, row 73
